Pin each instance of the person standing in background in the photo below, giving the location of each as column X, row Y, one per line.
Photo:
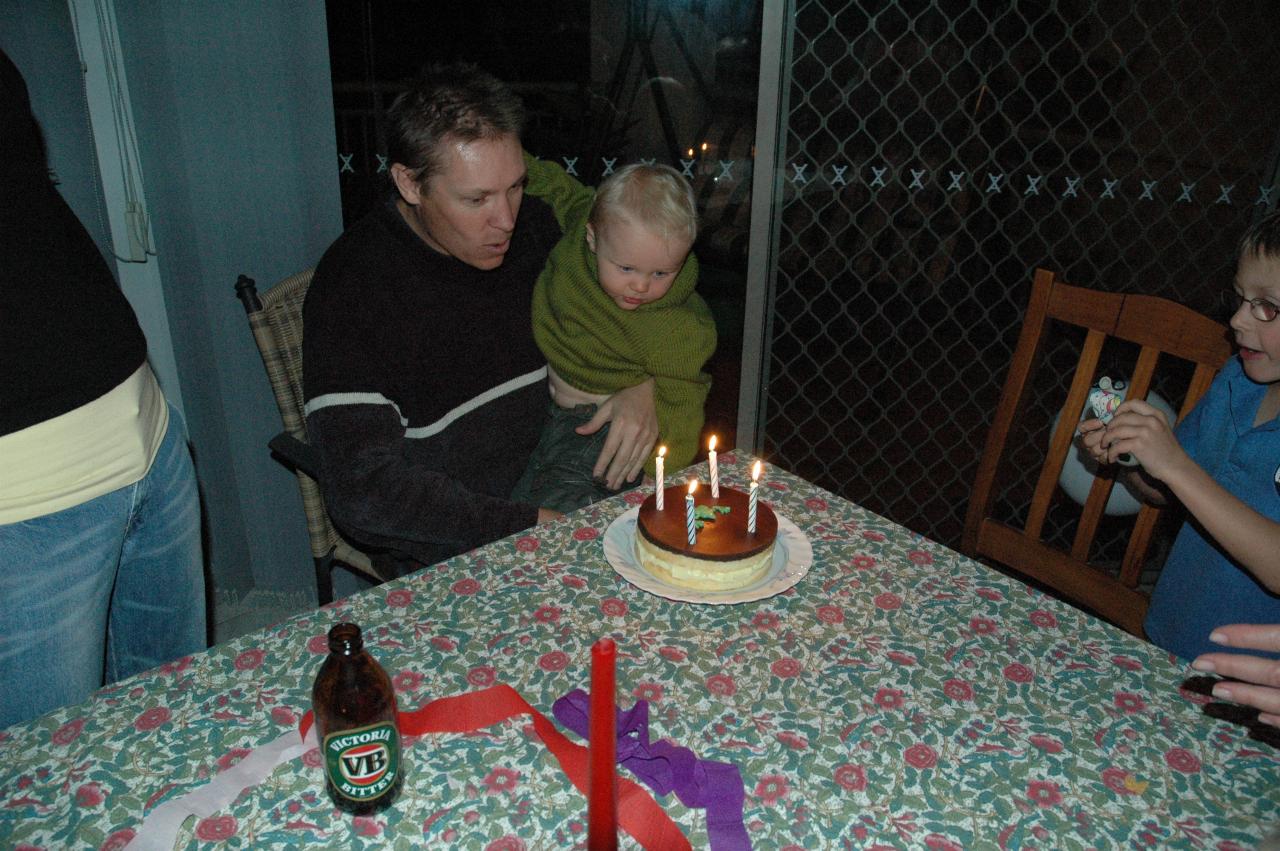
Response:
column 101, row 573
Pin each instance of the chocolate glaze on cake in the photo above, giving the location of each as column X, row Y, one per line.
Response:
column 724, row 540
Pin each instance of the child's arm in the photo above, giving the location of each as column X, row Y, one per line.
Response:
column 569, row 199
column 1251, row 539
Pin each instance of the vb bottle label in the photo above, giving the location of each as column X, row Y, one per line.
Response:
column 364, row 762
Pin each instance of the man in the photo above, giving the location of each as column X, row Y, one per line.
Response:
column 424, row 389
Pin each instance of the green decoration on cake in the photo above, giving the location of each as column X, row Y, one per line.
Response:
column 703, row 514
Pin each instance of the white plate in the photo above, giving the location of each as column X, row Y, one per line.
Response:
column 792, row 557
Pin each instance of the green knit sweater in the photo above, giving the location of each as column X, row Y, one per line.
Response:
column 600, row 348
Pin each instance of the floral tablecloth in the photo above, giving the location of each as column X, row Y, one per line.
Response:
column 900, row 696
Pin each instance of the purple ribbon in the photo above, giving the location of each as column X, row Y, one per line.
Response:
column 699, row 783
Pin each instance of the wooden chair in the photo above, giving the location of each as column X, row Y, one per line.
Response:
column 1159, row 327
column 276, row 322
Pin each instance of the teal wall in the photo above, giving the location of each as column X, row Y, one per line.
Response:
column 234, row 117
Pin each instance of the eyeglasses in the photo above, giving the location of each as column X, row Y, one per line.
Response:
column 1260, row 308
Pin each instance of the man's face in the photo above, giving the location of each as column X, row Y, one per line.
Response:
column 468, row 209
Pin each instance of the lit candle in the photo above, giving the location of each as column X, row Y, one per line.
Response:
column 688, row 513
column 661, row 479
column 602, row 743
column 715, row 468
column 755, row 498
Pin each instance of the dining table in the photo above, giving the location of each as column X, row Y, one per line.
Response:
column 887, row 693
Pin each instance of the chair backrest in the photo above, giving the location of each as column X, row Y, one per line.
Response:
column 275, row 317
column 1157, row 326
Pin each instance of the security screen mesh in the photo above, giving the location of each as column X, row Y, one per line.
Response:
column 936, row 153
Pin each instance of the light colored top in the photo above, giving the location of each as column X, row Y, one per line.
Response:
column 99, row 447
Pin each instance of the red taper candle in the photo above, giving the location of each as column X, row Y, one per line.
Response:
column 602, row 745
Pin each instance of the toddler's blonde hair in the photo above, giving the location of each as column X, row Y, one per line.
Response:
column 655, row 196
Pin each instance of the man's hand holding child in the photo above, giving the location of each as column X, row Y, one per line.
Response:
column 633, row 429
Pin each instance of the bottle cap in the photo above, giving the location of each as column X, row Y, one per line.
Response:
column 345, row 638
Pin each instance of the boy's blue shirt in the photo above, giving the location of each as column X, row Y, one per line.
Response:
column 1200, row 587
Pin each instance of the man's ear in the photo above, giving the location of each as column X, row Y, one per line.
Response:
column 406, row 184
column 591, row 238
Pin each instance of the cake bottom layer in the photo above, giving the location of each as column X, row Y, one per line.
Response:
column 703, row 574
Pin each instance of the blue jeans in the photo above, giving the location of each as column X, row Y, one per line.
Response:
column 102, row 590
column 559, row 472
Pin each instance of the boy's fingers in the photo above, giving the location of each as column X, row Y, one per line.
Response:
column 1137, row 406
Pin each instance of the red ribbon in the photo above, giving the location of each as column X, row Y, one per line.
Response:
column 638, row 814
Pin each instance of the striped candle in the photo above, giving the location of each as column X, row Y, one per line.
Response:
column 754, row 499
column 661, row 477
column 688, row 513
column 713, row 468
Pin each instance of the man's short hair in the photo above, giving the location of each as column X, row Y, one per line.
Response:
column 457, row 101
column 1262, row 239
column 655, row 196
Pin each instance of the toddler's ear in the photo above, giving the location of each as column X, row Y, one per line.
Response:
column 591, row 238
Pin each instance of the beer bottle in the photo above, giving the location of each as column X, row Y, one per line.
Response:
column 356, row 717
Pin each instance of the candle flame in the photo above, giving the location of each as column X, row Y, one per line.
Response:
column 711, row 447
column 704, row 146
column 662, row 451
column 755, row 471
column 693, row 486
column 691, row 152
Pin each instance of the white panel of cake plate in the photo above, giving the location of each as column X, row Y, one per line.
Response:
column 792, row 557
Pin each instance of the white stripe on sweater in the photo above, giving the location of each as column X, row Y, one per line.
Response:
column 330, row 400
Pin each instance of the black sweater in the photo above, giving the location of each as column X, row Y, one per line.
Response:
column 425, row 391
column 67, row 334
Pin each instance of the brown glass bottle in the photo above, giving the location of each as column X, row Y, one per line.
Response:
column 356, row 725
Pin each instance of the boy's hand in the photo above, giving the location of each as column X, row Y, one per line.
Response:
column 633, row 429
column 1091, row 434
column 1140, row 430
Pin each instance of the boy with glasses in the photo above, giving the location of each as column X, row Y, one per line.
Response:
column 1223, row 463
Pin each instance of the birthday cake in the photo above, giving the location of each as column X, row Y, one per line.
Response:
column 725, row 557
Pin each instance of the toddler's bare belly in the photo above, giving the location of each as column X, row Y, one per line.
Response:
column 565, row 395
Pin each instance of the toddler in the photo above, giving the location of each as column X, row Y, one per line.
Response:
column 615, row 305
